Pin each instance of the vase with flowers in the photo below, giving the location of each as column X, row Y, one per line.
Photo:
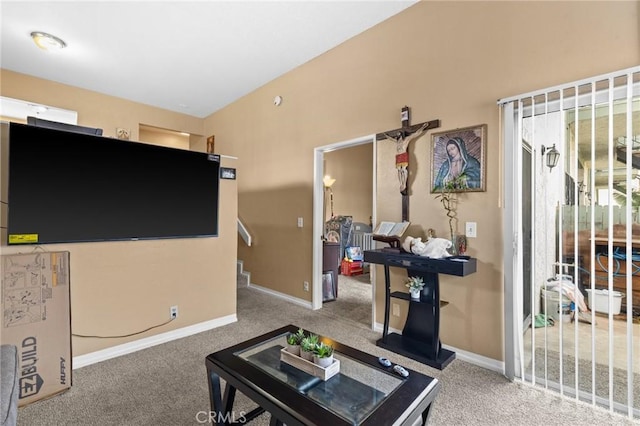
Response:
column 415, row 285
column 448, row 196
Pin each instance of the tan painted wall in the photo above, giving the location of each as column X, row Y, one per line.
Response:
column 446, row 60
column 352, row 168
column 119, row 288
column 163, row 137
column 95, row 109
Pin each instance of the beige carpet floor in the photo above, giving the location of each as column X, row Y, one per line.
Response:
column 167, row 385
column 354, row 300
column 585, row 379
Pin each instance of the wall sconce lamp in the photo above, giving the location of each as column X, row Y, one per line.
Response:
column 328, row 182
column 552, row 156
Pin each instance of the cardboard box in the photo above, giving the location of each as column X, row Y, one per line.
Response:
column 36, row 319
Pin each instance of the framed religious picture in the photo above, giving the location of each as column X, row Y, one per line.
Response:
column 210, row 144
column 458, row 159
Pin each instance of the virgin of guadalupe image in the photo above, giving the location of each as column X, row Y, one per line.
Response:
column 458, row 163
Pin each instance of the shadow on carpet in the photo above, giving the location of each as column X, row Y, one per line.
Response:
column 585, row 376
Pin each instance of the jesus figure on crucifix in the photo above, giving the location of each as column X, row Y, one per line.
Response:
column 402, row 154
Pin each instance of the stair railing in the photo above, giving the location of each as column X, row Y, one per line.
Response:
column 244, row 233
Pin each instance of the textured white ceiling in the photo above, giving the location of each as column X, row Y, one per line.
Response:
column 189, row 57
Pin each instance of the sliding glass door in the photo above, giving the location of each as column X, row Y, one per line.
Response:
column 572, row 239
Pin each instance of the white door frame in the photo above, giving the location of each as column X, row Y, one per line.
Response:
column 318, row 202
column 510, row 224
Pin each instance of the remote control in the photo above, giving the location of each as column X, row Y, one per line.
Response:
column 385, row 362
column 401, row 371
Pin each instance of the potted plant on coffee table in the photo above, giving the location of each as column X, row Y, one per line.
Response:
column 307, row 346
column 415, row 285
column 294, row 340
column 323, row 355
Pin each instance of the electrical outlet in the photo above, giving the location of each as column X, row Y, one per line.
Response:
column 396, row 310
column 300, row 222
column 173, row 312
column 305, row 285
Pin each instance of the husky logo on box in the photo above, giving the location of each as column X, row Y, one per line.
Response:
column 30, row 380
column 63, row 372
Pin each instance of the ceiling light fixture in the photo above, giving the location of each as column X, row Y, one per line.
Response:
column 47, row 41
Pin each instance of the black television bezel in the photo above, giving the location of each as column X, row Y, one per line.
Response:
column 56, row 125
column 212, row 232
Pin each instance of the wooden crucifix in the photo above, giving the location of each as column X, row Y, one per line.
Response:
column 402, row 137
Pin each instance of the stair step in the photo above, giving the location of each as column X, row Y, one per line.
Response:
column 243, row 278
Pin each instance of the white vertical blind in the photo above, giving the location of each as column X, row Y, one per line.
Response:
column 576, row 271
column 587, row 120
column 592, row 228
column 612, row 153
column 629, row 253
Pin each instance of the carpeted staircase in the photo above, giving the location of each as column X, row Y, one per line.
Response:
column 243, row 277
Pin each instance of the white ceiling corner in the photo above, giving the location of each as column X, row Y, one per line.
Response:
column 193, row 57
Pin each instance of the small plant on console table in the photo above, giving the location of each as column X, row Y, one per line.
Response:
column 294, row 340
column 415, row 285
column 323, row 355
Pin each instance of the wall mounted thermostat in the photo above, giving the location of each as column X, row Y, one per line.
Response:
column 227, row 173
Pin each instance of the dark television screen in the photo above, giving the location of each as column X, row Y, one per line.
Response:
column 73, row 187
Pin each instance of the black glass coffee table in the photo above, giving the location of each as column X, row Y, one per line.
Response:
column 363, row 393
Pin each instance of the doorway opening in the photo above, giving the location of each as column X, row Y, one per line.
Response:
column 167, row 137
column 349, row 200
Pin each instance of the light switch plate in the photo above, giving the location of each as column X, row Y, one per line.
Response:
column 470, row 229
column 300, row 222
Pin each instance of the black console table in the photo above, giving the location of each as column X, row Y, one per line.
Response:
column 420, row 339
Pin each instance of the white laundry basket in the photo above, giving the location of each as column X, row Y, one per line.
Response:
column 599, row 300
column 552, row 298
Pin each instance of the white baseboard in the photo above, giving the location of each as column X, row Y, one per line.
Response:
column 297, row 301
column 379, row 327
column 476, row 359
column 127, row 348
column 470, row 357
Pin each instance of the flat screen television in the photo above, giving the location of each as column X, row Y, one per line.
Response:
column 72, row 187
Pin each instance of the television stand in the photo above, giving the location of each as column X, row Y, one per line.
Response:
column 420, row 338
